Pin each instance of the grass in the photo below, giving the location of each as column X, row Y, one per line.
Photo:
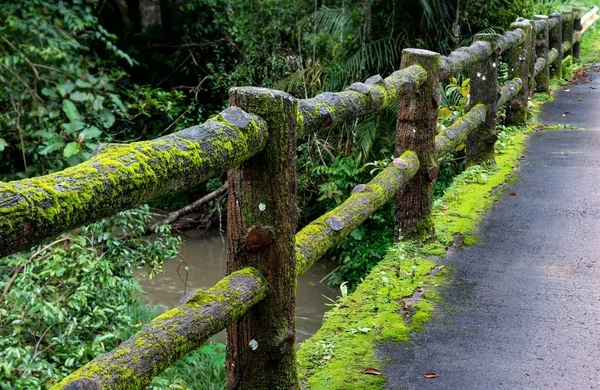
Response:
column 590, row 45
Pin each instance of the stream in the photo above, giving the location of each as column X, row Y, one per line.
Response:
column 206, row 259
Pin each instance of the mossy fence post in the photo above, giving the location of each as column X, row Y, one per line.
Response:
column 416, row 125
column 556, row 43
column 261, row 226
column 485, row 89
column 568, row 31
column 542, row 80
column 519, row 59
column 577, row 13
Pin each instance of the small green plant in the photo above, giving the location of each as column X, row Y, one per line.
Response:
column 66, row 302
column 455, row 99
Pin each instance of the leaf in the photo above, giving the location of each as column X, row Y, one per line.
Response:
column 3, row 144
column 371, row 371
column 71, row 149
column 49, row 92
column 357, row 234
column 83, row 84
column 98, row 103
column 117, row 101
column 107, row 118
column 71, row 110
column 45, row 134
column 72, row 127
column 39, row 111
column 92, row 132
column 81, row 96
column 430, row 375
column 54, row 113
column 65, row 88
column 50, row 148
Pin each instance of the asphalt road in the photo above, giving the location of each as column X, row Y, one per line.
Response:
column 524, row 309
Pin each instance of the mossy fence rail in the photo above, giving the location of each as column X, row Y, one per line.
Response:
column 255, row 139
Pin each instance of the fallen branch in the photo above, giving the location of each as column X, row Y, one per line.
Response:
column 175, row 215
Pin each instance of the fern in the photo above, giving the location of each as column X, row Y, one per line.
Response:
column 377, row 55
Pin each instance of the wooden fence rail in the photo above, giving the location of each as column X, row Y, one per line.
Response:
column 255, row 139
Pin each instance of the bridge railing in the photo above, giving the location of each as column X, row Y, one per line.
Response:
column 255, row 139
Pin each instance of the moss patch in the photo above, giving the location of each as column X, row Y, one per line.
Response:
column 380, row 309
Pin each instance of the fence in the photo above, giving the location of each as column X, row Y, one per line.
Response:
column 255, row 139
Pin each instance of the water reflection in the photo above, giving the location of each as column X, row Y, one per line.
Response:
column 206, row 258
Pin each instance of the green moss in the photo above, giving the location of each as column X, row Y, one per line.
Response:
column 470, row 240
column 337, row 355
column 543, row 97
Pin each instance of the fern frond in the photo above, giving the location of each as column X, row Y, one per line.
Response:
column 376, row 56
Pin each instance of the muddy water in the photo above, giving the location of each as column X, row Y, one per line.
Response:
column 206, row 259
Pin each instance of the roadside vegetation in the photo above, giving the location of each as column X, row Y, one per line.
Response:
column 77, row 73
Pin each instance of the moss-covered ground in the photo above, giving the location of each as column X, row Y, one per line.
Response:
column 396, row 298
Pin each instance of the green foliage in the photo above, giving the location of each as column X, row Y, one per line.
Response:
column 455, row 98
column 546, row 7
column 72, row 299
column 61, row 89
column 478, row 15
column 56, row 101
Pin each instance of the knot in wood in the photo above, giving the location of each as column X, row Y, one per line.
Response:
column 377, row 79
column 432, row 173
column 335, row 223
column 359, row 188
column 259, row 236
column 326, row 122
column 400, row 163
column 82, row 384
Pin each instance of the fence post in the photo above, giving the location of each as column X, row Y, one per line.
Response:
column 485, row 89
column 261, row 226
column 556, row 43
column 577, row 13
column 416, row 125
column 542, row 81
column 519, row 65
column 568, row 31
